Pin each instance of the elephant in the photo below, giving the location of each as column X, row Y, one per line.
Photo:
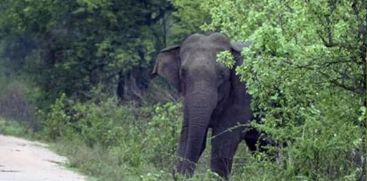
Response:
column 214, row 99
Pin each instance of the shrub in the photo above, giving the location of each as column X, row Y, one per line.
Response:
column 103, row 123
column 58, row 122
column 15, row 102
column 122, row 139
column 162, row 133
column 308, row 91
column 13, row 128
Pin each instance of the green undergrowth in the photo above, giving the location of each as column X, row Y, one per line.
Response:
column 14, row 128
column 108, row 141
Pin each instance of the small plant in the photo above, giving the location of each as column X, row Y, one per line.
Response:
column 12, row 128
column 226, row 58
column 162, row 133
column 57, row 123
column 101, row 123
column 157, row 176
column 16, row 102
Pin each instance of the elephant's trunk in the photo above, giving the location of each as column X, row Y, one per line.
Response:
column 198, row 107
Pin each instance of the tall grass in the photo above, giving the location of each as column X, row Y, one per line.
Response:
column 124, row 142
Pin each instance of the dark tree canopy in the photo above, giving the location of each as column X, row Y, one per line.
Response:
column 77, row 46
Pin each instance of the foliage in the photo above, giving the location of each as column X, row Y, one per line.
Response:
column 18, row 101
column 57, row 123
column 75, row 46
column 13, row 128
column 119, row 137
column 163, row 131
column 188, row 18
column 14, row 103
column 226, row 58
column 101, row 123
column 140, row 142
column 306, row 73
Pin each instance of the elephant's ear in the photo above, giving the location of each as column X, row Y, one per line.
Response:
column 167, row 65
column 237, row 48
column 238, row 87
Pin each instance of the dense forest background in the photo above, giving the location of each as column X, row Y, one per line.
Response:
column 77, row 73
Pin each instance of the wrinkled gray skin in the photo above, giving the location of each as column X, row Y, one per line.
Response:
column 214, row 98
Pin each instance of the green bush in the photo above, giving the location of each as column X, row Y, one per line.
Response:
column 162, row 133
column 13, row 128
column 94, row 123
column 112, row 141
column 104, row 123
column 58, row 122
column 307, row 88
column 17, row 101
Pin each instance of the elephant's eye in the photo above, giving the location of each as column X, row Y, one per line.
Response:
column 222, row 74
column 183, row 72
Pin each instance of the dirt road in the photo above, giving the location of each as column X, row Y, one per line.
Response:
column 22, row 160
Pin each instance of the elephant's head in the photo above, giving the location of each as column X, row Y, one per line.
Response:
column 204, row 83
column 192, row 68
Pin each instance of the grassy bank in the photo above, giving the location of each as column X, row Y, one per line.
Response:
column 109, row 141
column 14, row 128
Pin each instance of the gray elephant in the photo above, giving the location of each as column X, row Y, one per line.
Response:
column 214, row 98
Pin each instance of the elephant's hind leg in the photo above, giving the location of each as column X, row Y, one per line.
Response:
column 256, row 141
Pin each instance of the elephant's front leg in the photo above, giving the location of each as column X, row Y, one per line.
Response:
column 197, row 112
column 189, row 150
column 224, row 145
